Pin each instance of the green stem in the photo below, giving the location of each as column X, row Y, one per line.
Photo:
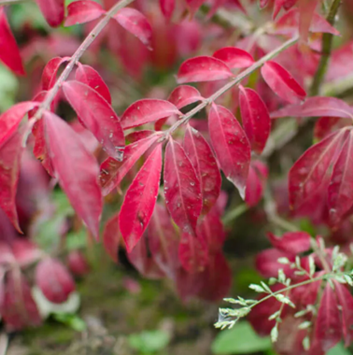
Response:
column 235, row 213
column 326, row 51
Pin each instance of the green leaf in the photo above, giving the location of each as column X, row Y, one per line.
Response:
column 149, row 341
column 8, row 88
column 241, row 339
column 339, row 349
column 71, row 320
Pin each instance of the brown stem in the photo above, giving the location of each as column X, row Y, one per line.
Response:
column 184, row 119
column 45, row 105
column 10, row 2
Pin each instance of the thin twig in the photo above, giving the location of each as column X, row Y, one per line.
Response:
column 326, row 51
column 184, row 119
column 45, row 105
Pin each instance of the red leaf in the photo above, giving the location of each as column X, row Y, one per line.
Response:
column 324, row 126
column 96, row 115
column 211, row 229
column 140, row 199
column 231, row 146
column 188, row 285
column 291, row 242
column 138, row 135
column 50, row 71
column 312, row 169
column 77, row 263
column 136, row 23
column 203, row 69
column 193, row 253
column 328, row 326
column 306, row 11
column 10, row 160
column 146, row 111
column 19, row 308
column 256, row 119
column 53, row 11
column 141, row 258
column 54, row 280
column 267, row 263
column 111, row 237
column 340, row 191
column 167, row 8
column 11, row 118
column 83, row 11
column 163, row 241
column 234, row 57
column 181, row 188
column 288, row 24
column 76, row 170
column 345, row 300
column 112, row 171
column 216, row 279
column 87, row 75
column 258, row 173
column 194, row 5
column 263, row 3
column 316, row 107
column 282, row 83
column 184, row 95
column 205, row 165
column 9, row 52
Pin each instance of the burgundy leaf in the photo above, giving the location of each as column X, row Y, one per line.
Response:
column 193, row 253
column 312, row 169
column 282, row 83
column 167, row 8
column 146, row 111
column 234, row 57
column 205, row 165
column 257, row 177
column 138, row 135
column 96, row 115
column 87, row 75
column 111, row 237
column 140, row 258
column 288, row 24
column 113, row 171
column 50, row 71
column 256, row 119
column 184, row 95
column 194, row 5
column 19, row 308
column 9, row 52
column 11, row 118
column 136, row 23
column 316, row 107
column 53, row 11
column 76, row 170
column 182, row 188
column 54, row 280
column 203, row 68
column 77, row 263
column 188, row 284
column 137, row 208
column 340, row 191
column 216, row 278
column 211, row 229
column 10, row 160
column 83, row 11
column 231, row 146
column 267, row 263
column 291, row 242
column 328, row 328
column 345, row 300
column 163, row 241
